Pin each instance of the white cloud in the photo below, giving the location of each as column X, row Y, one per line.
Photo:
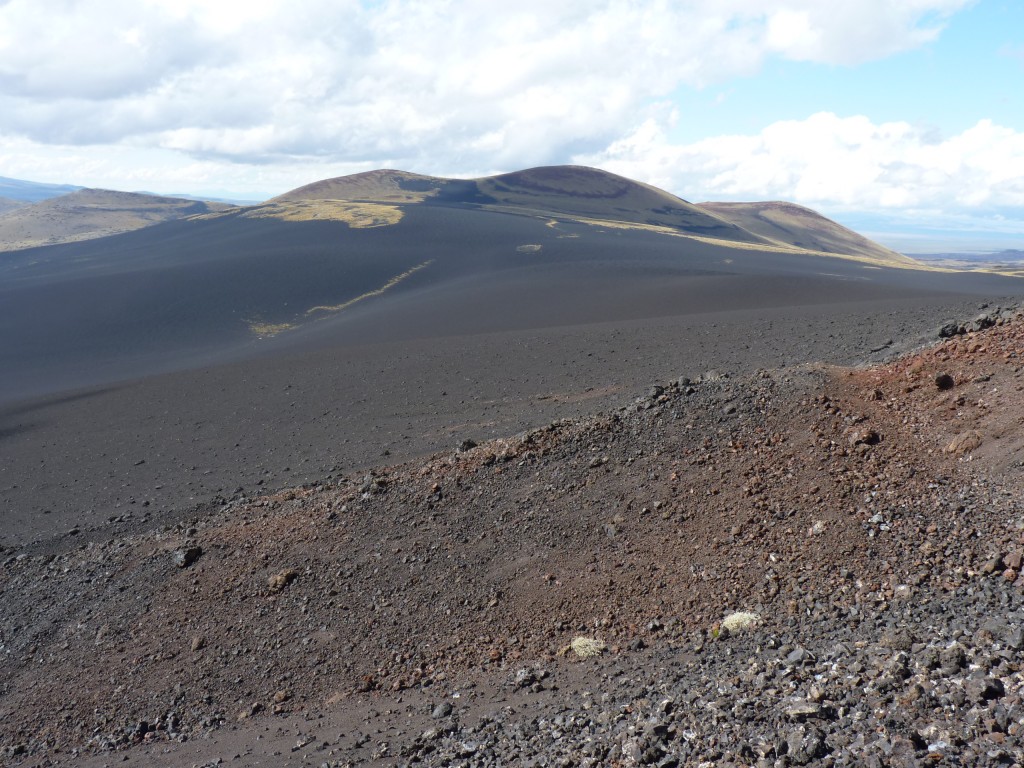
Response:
column 833, row 162
column 159, row 170
column 454, row 87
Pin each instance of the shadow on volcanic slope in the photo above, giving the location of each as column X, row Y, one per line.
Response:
column 449, row 328
column 193, row 293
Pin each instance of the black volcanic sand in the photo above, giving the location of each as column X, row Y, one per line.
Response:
column 146, row 451
column 134, row 389
column 183, row 294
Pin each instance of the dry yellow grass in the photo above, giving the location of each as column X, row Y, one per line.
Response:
column 791, row 225
column 269, row 329
column 732, row 244
column 266, row 330
column 377, row 292
column 585, row 647
column 356, row 215
column 739, row 621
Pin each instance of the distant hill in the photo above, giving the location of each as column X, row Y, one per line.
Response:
column 573, row 192
column 791, row 224
column 1009, row 261
column 379, row 198
column 390, row 255
column 595, row 197
column 1010, row 255
column 91, row 213
column 380, row 186
column 32, row 191
column 7, row 204
column 206, row 198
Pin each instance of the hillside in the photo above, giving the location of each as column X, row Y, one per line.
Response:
column 569, row 192
column 386, row 186
column 223, row 283
column 591, row 194
column 791, row 224
column 377, row 198
column 597, row 197
column 363, row 480
column 91, row 213
column 7, row 204
column 566, row 594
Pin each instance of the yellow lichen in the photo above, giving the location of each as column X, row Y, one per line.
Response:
column 585, row 647
column 376, row 292
column 778, row 248
column 739, row 621
column 356, row 215
column 269, row 329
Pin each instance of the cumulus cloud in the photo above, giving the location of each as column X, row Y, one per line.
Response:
column 833, row 162
column 449, row 87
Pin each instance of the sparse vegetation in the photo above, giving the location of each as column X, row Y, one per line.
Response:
column 791, row 225
column 740, row 621
column 279, row 581
column 356, row 215
column 585, row 647
column 269, row 329
column 377, row 292
column 266, row 330
column 763, row 247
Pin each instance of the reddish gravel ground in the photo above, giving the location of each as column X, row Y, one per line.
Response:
column 815, row 491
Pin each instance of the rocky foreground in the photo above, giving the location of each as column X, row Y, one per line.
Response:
column 567, row 596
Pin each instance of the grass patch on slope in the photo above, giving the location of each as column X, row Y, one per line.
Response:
column 266, row 330
column 369, row 294
column 356, row 214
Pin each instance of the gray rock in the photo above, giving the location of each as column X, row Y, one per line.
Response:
column 992, row 565
column 805, row 744
column 981, row 689
column 524, row 678
column 801, row 709
column 952, row 659
column 187, row 556
column 799, row 657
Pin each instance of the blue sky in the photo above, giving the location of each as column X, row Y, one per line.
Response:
column 973, row 70
column 899, row 115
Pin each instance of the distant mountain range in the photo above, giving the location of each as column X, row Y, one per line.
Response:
column 1009, row 261
column 32, row 191
column 582, row 194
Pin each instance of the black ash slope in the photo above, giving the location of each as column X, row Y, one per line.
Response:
column 133, row 382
